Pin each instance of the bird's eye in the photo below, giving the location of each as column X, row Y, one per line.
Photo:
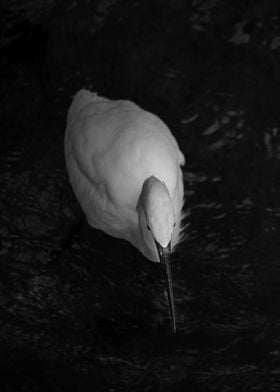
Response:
column 148, row 227
column 174, row 224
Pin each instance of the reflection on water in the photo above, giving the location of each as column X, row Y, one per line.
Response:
column 80, row 309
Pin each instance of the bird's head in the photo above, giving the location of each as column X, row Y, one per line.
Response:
column 156, row 225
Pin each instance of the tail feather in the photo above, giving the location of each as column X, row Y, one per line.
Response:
column 80, row 100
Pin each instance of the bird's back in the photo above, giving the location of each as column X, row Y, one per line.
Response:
column 111, row 147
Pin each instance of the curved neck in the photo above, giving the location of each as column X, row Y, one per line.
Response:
column 155, row 211
column 151, row 185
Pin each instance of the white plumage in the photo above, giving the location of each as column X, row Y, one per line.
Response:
column 124, row 167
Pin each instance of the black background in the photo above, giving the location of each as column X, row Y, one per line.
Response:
column 81, row 311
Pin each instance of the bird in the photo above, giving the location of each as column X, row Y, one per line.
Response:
column 125, row 168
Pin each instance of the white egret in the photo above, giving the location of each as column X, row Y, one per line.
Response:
column 124, row 166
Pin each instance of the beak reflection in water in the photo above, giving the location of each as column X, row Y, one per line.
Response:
column 164, row 256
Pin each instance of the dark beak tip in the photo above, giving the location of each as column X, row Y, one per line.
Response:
column 164, row 255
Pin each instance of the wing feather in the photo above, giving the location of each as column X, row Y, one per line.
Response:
column 111, row 147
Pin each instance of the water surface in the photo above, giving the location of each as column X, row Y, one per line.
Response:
column 81, row 310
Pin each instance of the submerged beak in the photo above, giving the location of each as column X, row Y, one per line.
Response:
column 164, row 256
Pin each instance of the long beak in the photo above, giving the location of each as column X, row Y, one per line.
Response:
column 164, row 256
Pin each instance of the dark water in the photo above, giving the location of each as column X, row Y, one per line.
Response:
column 82, row 311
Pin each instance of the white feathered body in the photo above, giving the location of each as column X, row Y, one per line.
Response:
column 111, row 148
